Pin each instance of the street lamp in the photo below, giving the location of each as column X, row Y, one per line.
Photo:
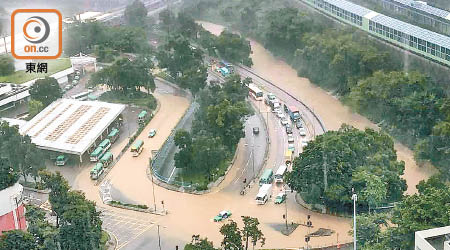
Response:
column 354, row 198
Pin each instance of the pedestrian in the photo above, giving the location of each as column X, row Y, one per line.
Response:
column 245, row 180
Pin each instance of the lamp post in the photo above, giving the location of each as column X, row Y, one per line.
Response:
column 354, row 198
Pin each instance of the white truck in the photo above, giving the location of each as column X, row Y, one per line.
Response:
column 263, row 194
column 279, row 175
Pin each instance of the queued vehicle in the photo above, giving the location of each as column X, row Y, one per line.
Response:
column 284, row 121
column 280, row 114
column 304, row 143
column 255, row 130
column 291, row 147
column 222, row 216
column 290, row 138
column 302, row 131
column 280, row 198
column 151, row 133
column 288, row 129
column 299, row 124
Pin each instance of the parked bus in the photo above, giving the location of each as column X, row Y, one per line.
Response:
column 288, row 157
column 142, row 116
column 137, row 147
column 279, row 175
column 61, row 160
column 105, row 144
column 97, row 154
column 263, row 194
column 293, row 112
column 107, row 159
column 113, row 135
column 96, row 171
column 266, row 177
column 255, row 92
column 81, row 96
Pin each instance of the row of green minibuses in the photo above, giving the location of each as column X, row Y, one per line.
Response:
column 102, row 155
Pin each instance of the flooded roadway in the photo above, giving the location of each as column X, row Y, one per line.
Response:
column 328, row 107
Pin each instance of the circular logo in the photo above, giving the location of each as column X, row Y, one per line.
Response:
column 36, row 29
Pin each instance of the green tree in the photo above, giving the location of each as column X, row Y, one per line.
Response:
column 369, row 228
column 183, row 158
column 232, row 236
column 125, row 75
column 136, row 14
column 44, row 233
column 46, row 91
column 200, row 244
column 17, row 240
column 352, row 159
column 234, row 48
column 6, row 65
column 251, row 231
column 34, row 107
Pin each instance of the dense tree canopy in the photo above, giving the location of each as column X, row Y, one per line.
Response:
column 136, row 14
column 19, row 156
column 427, row 209
column 78, row 222
column 17, row 240
column 234, row 48
column 6, row 65
column 217, row 127
column 363, row 160
column 46, row 91
column 126, row 75
column 85, row 37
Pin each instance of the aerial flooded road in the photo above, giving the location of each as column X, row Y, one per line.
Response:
column 328, row 107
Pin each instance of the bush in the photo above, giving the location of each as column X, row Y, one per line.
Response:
column 6, row 65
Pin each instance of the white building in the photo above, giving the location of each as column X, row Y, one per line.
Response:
column 433, row 239
column 71, row 126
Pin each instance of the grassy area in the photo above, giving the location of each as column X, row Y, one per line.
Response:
column 129, row 205
column 53, row 67
column 140, row 99
column 200, row 180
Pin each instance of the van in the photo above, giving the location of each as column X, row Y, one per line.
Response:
column 263, row 194
column 279, row 175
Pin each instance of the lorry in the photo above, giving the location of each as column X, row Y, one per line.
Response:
column 263, row 194
column 293, row 112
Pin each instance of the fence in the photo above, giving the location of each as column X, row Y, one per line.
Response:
column 160, row 161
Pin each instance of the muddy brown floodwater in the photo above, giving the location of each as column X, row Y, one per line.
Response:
column 328, row 107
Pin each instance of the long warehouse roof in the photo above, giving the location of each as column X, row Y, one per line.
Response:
column 71, row 126
column 349, row 6
column 412, row 30
column 424, row 34
column 425, row 8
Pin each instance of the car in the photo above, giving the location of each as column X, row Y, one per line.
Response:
column 68, row 87
column 290, row 138
column 280, row 115
column 302, row 131
column 77, row 78
column 291, row 147
column 288, row 129
column 299, row 124
column 304, row 144
column 255, row 130
column 276, row 111
column 222, row 216
column 74, row 82
column 77, row 72
column 284, row 121
column 152, row 133
column 280, row 198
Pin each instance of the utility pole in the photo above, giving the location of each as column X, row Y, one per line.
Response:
column 159, row 238
column 285, row 207
column 354, row 198
column 6, row 48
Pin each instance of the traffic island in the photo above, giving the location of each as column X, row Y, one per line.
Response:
column 289, row 228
